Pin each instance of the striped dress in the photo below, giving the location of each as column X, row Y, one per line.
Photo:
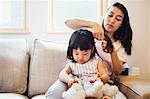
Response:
column 87, row 71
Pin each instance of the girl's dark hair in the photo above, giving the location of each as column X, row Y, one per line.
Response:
column 82, row 39
column 109, row 46
column 124, row 32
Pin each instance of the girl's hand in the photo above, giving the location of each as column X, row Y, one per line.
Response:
column 105, row 78
column 73, row 80
column 98, row 31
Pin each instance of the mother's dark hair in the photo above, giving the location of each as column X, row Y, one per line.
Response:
column 124, row 32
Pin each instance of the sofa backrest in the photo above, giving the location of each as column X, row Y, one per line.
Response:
column 14, row 59
column 47, row 60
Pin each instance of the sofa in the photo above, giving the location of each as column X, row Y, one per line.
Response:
column 27, row 72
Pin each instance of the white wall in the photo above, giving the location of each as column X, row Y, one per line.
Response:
column 148, row 66
column 138, row 10
column 140, row 22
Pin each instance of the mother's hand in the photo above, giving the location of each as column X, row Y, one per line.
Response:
column 107, row 44
column 98, row 31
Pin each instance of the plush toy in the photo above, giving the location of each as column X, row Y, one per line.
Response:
column 109, row 90
column 93, row 89
column 86, row 89
column 76, row 91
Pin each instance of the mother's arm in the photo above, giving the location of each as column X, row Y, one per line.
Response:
column 95, row 28
column 117, row 64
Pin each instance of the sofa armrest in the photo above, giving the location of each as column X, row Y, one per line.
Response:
column 134, row 87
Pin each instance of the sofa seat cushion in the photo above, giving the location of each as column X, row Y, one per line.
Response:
column 120, row 95
column 39, row 97
column 12, row 96
column 14, row 60
column 47, row 60
column 134, row 87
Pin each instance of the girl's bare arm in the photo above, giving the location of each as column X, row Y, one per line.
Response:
column 103, row 72
column 64, row 74
column 65, row 77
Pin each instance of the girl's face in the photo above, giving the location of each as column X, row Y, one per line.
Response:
column 113, row 19
column 82, row 56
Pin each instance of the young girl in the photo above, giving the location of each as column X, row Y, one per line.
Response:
column 84, row 65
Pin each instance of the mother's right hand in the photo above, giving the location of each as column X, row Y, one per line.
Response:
column 98, row 31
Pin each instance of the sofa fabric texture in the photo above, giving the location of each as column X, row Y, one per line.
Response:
column 27, row 74
column 47, row 59
column 14, row 59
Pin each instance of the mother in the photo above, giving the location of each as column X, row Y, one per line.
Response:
column 116, row 24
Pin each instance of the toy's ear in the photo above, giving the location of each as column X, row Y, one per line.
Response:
column 64, row 94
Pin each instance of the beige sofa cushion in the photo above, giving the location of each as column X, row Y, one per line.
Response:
column 47, row 60
column 39, row 97
column 12, row 96
column 13, row 65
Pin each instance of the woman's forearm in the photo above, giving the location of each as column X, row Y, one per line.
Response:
column 117, row 64
column 94, row 27
column 78, row 23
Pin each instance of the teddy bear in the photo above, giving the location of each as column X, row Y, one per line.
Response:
column 84, row 89
column 98, row 89
column 76, row 91
column 81, row 90
column 109, row 90
column 93, row 89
